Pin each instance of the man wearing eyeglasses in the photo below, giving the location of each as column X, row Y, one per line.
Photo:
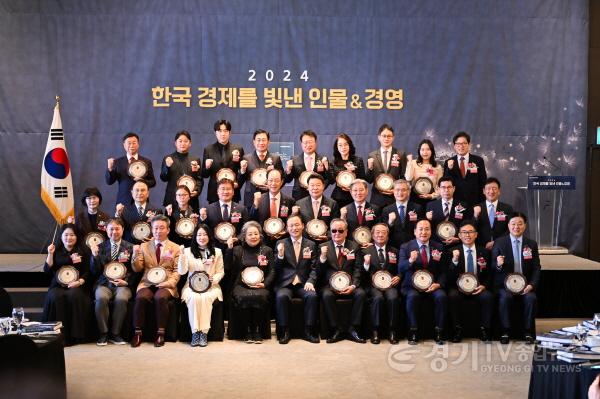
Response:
column 447, row 209
column 402, row 215
column 491, row 215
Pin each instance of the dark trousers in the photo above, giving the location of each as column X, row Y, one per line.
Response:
column 506, row 300
column 144, row 296
column 392, row 304
column 358, row 299
column 283, row 297
column 413, row 301
column 485, row 301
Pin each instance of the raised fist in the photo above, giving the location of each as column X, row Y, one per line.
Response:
column 168, row 161
column 110, row 163
column 370, row 163
column 208, row 163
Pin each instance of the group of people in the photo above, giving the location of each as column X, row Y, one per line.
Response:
column 422, row 228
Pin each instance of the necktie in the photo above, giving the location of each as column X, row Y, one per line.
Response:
column 402, row 213
column 385, row 161
column 225, row 212
column 297, row 250
column 340, row 255
column 140, row 211
column 158, row 252
column 309, row 163
column 114, row 251
column 463, row 170
column 273, row 207
column 424, row 259
column 359, row 215
column 131, row 159
column 446, row 209
column 381, row 257
column 492, row 214
column 261, row 157
column 470, row 264
column 316, row 208
column 517, row 256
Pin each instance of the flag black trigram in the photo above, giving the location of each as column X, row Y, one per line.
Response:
column 61, row 192
column 56, row 134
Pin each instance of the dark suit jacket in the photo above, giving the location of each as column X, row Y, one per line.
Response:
column 263, row 212
column 84, row 224
column 402, row 232
column 485, row 233
column 62, row 257
column 214, row 216
column 98, row 263
column 254, row 163
column 213, row 152
column 343, row 197
column 436, row 267
column 482, row 264
column 391, row 263
column 298, row 167
column 181, row 166
column 130, row 218
column 305, row 268
column 120, row 174
column 377, row 197
column 470, row 188
column 531, row 267
column 351, row 266
column 352, row 218
column 307, row 214
column 437, row 208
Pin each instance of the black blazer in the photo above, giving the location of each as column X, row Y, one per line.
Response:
column 84, row 224
column 485, row 233
column 351, row 266
column 263, row 212
column 377, row 197
column 98, row 263
column 130, row 217
column 181, row 166
column 482, row 264
column 470, row 188
column 341, row 196
column 120, row 174
column 241, row 257
column 298, row 167
column 213, row 152
column 390, row 265
column 402, row 232
column 455, row 217
column 62, row 257
column 214, row 216
column 307, row 214
column 370, row 216
column 305, row 268
column 436, row 266
column 254, row 163
column 531, row 267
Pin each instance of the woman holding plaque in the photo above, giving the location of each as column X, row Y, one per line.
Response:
column 200, row 261
column 347, row 163
column 92, row 219
column 68, row 299
column 254, row 273
column 182, row 215
column 423, row 174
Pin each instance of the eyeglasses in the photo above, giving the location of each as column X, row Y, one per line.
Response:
column 468, row 233
column 334, row 231
column 461, row 143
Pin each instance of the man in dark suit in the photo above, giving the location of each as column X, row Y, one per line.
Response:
column 141, row 210
column 260, row 158
column 222, row 154
column 360, row 212
column 402, row 215
column 467, row 170
column 341, row 254
column 296, row 277
column 309, row 160
column 491, row 215
column 381, row 256
column 516, row 253
column 118, row 169
column 118, row 250
column 422, row 253
column 386, row 159
column 316, row 205
column 447, row 209
column 470, row 258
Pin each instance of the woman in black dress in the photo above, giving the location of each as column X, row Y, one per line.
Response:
column 253, row 300
column 181, row 209
column 344, row 158
column 69, row 303
column 92, row 219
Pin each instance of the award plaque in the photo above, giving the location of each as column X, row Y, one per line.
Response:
column 252, row 275
column 259, row 177
column 141, row 231
column 224, row 231
column 446, row 230
column 384, row 182
column 422, row 280
column 382, row 279
column 156, row 275
column 339, row 281
column 185, row 227
column 316, row 228
column 423, row 185
column 93, row 239
column 362, row 236
column 67, row 274
column 188, row 181
column 467, row 283
column 137, row 169
column 273, row 227
column 115, row 270
column 303, row 179
column 199, row 282
column 515, row 283
column 344, row 179
column 225, row 173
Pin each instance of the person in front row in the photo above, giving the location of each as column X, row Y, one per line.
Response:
column 115, row 249
column 201, row 256
column 296, row 277
column 468, row 257
column 516, row 253
column 158, row 252
column 422, row 253
column 341, row 254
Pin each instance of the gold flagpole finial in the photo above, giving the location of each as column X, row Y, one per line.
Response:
column 57, row 97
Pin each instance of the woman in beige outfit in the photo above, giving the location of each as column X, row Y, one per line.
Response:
column 424, row 166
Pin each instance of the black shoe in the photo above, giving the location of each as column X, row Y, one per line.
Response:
column 116, row 339
column 439, row 334
column 249, row 337
column 504, row 340
column 375, row 338
column 137, row 339
column 160, row 339
column 485, row 335
column 257, row 336
column 412, row 336
column 393, row 338
column 354, row 337
column 457, row 337
column 529, row 339
column 311, row 338
column 337, row 336
column 285, row 336
column 102, row 340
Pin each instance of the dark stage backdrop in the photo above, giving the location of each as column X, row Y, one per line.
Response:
column 511, row 73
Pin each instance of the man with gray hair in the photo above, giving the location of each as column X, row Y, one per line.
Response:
column 360, row 213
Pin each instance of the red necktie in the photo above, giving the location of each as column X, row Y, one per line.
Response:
column 424, row 256
column 340, row 256
column 359, row 215
column 158, row 252
column 131, row 159
column 273, row 207
column 463, row 170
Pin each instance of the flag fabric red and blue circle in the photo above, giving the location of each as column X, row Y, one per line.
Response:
column 56, row 163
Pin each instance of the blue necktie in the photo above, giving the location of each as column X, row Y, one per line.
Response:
column 402, row 213
column 470, row 264
column 517, row 256
column 492, row 214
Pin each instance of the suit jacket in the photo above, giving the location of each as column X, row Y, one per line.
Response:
column 307, row 214
column 213, row 152
column 120, row 173
column 531, row 267
column 436, row 265
column 482, row 265
column 289, row 267
column 470, row 188
column 263, row 212
column 402, row 232
column 254, row 163
column 148, row 260
column 377, row 197
column 84, row 224
column 390, row 265
column 485, row 233
column 455, row 217
column 298, row 167
column 124, row 257
column 340, row 195
column 351, row 266
column 214, row 216
column 181, row 166
column 130, row 217
column 370, row 216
